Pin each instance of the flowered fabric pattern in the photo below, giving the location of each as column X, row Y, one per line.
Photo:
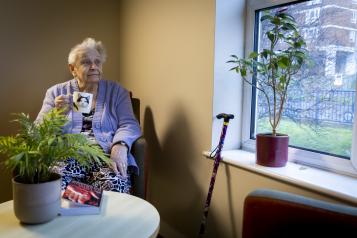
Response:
column 100, row 176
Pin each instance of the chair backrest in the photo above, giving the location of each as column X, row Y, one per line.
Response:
column 270, row 213
column 139, row 182
column 136, row 107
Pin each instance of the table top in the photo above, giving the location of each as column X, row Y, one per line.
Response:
column 122, row 215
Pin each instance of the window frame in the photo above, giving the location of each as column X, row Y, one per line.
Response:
column 300, row 156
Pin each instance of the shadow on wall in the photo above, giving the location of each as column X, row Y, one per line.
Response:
column 232, row 215
column 172, row 187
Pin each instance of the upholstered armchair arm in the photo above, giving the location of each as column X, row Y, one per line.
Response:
column 139, row 181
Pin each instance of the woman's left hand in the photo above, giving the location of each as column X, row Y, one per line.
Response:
column 119, row 157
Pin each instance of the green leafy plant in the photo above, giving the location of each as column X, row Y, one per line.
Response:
column 273, row 67
column 40, row 145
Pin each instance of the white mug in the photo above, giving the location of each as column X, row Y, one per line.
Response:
column 82, row 102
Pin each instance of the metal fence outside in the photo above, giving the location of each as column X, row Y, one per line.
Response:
column 334, row 106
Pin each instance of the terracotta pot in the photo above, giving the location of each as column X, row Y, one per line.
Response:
column 37, row 203
column 272, row 151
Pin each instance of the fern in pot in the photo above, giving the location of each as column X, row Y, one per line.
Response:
column 32, row 152
column 273, row 69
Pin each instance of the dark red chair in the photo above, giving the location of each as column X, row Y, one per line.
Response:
column 270, row 213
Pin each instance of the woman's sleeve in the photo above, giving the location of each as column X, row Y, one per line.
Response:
column 128, row 127
column 47, row 105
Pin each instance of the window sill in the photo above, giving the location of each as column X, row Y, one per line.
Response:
column 329, row 183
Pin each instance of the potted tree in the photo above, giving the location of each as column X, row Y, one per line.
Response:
column 30, row 155
column 271, row 71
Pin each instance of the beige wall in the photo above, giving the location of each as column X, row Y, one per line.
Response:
column 166, row 54
column 36, row 37
column 167, row 59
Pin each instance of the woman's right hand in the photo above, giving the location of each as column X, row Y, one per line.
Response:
column 63, row 101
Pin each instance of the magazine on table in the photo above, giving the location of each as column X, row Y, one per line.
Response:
column 81, row 199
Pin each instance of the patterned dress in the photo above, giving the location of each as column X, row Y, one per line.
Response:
column 101, row 177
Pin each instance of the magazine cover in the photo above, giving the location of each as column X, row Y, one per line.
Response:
column 83, row 193
column 81, row 199
column 69, row 208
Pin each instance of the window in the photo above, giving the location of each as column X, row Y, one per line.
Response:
column 354, row 17
column 319, row 115
column 352, row 36
column 338, row 80
column 310, row 33
column 312, row 15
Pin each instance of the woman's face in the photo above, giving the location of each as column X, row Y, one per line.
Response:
column 88, row 67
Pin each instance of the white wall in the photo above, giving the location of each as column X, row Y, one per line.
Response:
column 229, row 39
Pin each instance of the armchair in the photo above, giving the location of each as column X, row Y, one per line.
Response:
column 269, row 213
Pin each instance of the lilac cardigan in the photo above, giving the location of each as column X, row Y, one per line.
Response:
column 113, row 120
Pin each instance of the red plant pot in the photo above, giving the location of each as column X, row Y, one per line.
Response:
column 272, row 151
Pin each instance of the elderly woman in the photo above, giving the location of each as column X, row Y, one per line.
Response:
column 110, row 122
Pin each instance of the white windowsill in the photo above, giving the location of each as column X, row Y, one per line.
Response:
column 329, row 183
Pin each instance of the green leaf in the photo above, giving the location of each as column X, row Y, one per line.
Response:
column 243, row 72
column 264, row 53
column 266, row 17
column 276, row 20
column 290, row 26
column 253, row 55
column 283, row 62
column 286, row 16
column 51, row 141
column 282, row 79
column 271, row 36
column 14, row 160
column 234, row 56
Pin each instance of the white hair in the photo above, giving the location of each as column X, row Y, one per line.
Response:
column 87, row 44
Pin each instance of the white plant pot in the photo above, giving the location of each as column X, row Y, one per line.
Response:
column 37, row 203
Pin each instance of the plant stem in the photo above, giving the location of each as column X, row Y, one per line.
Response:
column 273, row 76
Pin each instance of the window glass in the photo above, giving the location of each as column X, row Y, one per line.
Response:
column 320, row 108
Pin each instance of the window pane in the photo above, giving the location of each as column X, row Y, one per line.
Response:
column 320, row 107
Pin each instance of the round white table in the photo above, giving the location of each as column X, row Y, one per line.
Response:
column 122, row 215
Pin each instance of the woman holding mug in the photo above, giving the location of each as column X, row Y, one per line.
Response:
column 109, row 123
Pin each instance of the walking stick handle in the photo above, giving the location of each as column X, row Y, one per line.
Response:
column 225, row 116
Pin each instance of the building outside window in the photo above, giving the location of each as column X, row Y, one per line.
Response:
column 313, row 2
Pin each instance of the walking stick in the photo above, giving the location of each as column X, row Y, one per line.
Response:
column 226, row 118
